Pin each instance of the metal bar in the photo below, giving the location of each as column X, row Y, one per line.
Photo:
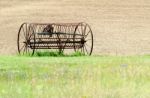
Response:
column 53, row 42
column 54, row 38
column 52, row 47
column 57, row 33
column 64, row 24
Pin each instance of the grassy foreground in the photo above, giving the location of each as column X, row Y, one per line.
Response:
column 75, row 77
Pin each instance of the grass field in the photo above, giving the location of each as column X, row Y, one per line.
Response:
column 75, row 77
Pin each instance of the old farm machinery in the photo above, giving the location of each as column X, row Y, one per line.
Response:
column 60, row 36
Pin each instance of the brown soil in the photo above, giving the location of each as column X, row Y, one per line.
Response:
column 120, row 27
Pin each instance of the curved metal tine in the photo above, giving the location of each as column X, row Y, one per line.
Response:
column 66, row 37
column 38, row 28
column 60, row 43
column 61, row 37
column 34, row 35
column 68, row 31
column 63, row 47
column 59, row 28
column 73, row 37
column 56, row 30
column 82, row 26
column 29, row 31
column 34, row 27
column 72, row 31
column 79, row 29
column 41, row 28
column 65, row 30
column 58, row 36
column 55, row 27
column 70, row 37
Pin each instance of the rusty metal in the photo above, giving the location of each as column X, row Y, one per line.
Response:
column 33, row 36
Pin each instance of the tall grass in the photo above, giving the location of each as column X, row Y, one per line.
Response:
column 75, row 77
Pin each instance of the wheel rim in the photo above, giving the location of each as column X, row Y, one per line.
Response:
column 84, row 34
column 25, row 36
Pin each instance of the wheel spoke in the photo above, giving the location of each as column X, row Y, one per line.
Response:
column 82, row 29
column 87, row 33
column 24, row 33
column 86, row 49
column 28, row 51
column 85, row 29
column 79, row 31
column 87, row 45
column 88, row 39
column 24, row 50
column 22, row 47
column 22, row 36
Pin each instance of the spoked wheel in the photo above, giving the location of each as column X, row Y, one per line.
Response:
column 26, row 39
column 83, row 39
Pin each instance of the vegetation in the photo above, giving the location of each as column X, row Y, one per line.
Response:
column 75, row 77
column 54, row 54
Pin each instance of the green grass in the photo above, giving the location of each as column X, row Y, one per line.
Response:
column 75, row 77
column 54, row 54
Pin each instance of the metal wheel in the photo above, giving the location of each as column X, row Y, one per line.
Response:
column 83, row 34
column 26, row 39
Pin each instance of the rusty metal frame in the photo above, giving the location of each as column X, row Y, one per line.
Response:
column 59, row 36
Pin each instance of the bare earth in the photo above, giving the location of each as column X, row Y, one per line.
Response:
column 120, row 27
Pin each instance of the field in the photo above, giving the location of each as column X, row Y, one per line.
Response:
column 118, row 68
column 120, row 27
column 75, row 77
